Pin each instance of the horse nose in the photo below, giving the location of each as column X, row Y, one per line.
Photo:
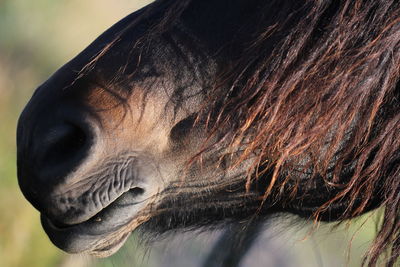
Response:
column 52, row 144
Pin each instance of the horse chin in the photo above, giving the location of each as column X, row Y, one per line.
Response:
column 103, row 234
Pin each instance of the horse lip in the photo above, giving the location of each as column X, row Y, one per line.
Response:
column 87, row 236
column 72, row 241
column 118, row 202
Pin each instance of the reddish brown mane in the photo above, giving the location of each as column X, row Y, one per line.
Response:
column 321, row 96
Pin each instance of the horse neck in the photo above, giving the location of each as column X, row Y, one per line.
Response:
column 228, row 26
column 218, row 22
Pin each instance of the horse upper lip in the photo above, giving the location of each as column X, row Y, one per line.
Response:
column 120, row 202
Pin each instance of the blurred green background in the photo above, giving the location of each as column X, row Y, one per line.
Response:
column 36, row 38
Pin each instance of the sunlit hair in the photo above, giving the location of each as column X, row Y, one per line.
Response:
column 327, row 94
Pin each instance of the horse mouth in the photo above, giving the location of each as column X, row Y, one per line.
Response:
column 101, row 235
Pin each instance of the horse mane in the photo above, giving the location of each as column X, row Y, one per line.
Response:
column 315, row 85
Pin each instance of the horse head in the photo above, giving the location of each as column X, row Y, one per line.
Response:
column 194, row 113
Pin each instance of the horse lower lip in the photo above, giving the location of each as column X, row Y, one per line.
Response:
column 75, row 239
column 88, row 236
column 59, row 225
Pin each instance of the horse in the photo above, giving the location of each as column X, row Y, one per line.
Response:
column 193, row 114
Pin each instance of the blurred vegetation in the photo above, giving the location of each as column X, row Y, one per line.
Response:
column 36, row 38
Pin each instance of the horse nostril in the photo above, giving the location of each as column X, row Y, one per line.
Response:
column 62, row 147
column 64, row 140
